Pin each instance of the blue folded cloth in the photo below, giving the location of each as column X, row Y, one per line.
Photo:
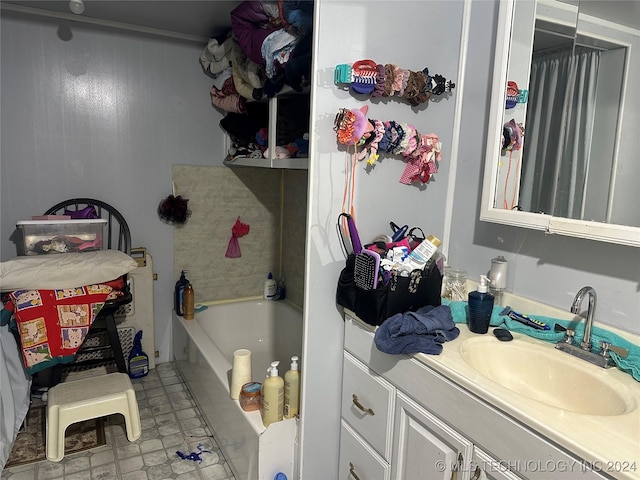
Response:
column 630, row 364
column 422, row 331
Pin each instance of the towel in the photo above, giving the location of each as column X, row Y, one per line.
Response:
column 630, row 364
column 422, row 331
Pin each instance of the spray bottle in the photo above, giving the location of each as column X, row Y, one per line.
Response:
column 138, row 360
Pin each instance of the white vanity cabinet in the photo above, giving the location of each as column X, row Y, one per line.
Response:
column 401, row 419
column 387, row 435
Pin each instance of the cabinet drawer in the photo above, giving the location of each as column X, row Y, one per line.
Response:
column 368, row 404
column 359, row 460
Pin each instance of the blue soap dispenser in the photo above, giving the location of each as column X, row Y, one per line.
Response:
column 480, row 307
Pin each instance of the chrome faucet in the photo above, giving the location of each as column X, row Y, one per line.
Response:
column 591, row 311
column 603, row 359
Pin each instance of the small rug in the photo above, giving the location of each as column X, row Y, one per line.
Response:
column 29, row 446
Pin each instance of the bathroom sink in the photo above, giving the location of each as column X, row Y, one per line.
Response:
column 546, row 375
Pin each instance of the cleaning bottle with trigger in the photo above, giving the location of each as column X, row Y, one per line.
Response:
column 138, row 360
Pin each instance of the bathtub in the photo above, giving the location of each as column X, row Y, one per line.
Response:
column 203, row 352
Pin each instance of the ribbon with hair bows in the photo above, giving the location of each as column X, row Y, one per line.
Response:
column 421, row 152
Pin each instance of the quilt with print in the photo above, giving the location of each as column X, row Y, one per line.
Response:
column 52, row 324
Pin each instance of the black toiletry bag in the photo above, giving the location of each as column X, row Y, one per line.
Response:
column 398, row 295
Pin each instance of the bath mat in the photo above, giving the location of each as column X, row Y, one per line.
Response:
column 29, row 446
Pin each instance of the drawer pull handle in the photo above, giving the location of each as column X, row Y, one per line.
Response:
column 354, row 397
column 456, row 467
column 352, row 471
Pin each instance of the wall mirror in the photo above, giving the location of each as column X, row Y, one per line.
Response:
column 565, row 109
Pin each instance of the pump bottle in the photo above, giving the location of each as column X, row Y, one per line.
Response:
column 480, row 307
column 292, row 389
column 273, row 396
column 177, row 295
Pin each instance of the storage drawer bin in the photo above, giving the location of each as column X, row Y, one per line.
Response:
column 60, row 236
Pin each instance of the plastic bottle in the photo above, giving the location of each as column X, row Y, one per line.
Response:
column 282, row 289
column 270, row 287
column 273, row 396
column 420, row 255
column 292, row 389
column 262, row 393
column 177, row 295
column 480, row 307
column 188, row 301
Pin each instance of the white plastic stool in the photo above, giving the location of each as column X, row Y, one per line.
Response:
column 94, row 397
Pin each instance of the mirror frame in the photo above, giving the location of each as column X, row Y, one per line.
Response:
column 605, row 232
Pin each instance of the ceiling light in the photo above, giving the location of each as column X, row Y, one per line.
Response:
column 76, row 6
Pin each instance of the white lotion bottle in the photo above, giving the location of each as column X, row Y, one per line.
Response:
column 270, row 287
column 420, row 255
column 292, row 389
column 273, row 396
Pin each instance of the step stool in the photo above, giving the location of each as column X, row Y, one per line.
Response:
column 94, row 397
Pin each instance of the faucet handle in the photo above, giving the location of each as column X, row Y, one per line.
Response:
column 606, row 347
column 568, row 333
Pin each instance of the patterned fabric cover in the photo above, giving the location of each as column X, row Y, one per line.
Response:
column 52, row 324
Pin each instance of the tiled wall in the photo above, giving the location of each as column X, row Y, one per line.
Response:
column 217, row 197
column 294, row 232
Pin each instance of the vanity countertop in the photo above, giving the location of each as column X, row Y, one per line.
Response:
column 611, row 443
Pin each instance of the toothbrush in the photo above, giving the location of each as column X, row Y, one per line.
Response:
column 524, row 319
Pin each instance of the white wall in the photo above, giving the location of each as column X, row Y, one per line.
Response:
column 412, row 35
column 101, row 113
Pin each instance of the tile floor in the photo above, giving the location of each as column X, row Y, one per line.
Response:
column 170, row 422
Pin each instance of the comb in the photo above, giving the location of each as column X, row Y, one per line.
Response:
column 365, row 272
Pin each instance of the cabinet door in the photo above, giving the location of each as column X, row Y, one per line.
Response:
column 425, row 447
column 358, row 461
column 367, row 404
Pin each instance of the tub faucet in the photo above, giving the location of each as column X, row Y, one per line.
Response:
column 591, row 311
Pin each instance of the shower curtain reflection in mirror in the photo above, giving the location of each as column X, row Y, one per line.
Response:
column 560, row 132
